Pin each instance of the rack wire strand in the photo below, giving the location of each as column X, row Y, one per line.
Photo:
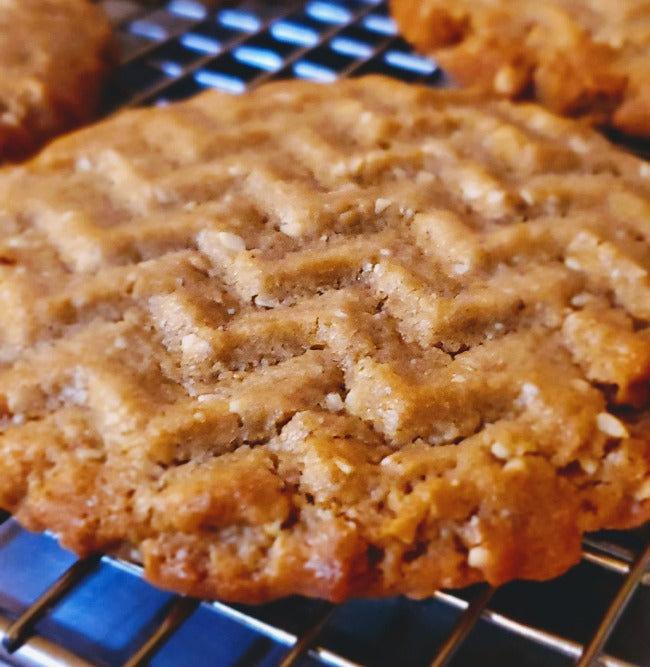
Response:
column 466, row 622
column 307, row 639
column 37, row 651
column 179, row 611
column 17, row 632
column 615, row 610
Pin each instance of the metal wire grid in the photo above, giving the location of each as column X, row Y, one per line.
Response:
column 21, row 645
column 173, row 51
column 183, row 47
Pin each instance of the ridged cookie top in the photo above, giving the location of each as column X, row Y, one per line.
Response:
column 340, row 340
column 582, row 58
column 54, row 57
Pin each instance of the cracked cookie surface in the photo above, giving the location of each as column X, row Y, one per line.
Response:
column 581, row 58
column 346, row 340
column 54, row 58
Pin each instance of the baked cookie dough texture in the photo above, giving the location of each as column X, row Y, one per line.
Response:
column 582, row 58
column 349, row 340
column 54, row 58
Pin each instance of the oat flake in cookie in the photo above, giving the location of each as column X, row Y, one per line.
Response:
column 358, row 339
column 54, row 57
column 582, row 58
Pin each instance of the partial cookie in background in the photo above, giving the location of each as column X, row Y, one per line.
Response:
column 581, row 58
column 54, row 58
column 355, row 339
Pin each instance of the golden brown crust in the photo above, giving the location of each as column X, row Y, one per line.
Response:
column 54, row 58
column 582, row 58
column 364, row 339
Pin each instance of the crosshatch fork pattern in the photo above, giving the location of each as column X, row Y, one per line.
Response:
column 387, row 281
column 380, row 205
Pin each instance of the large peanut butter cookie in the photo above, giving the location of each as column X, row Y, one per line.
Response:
column 582, row 58
column 358, row 339
column 54, row 56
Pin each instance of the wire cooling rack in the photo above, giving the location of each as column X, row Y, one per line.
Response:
column 57, row 611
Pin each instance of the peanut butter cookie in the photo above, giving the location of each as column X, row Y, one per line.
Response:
column 358, row 339
column 54, row 57
column 582, row 58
